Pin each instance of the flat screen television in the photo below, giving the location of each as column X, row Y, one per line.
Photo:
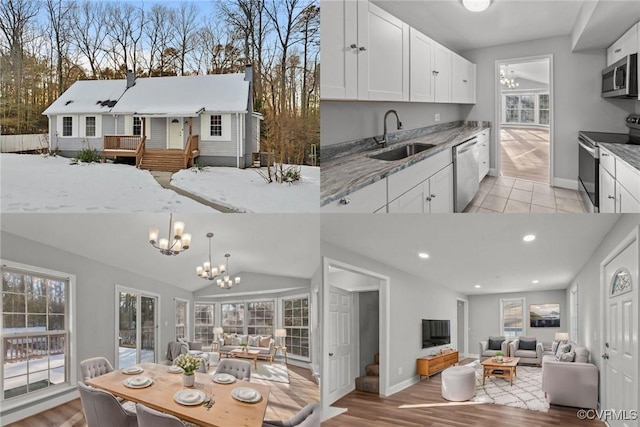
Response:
column 435, row 333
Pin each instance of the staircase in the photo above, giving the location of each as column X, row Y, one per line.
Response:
column 371, row 381
column 163, row 160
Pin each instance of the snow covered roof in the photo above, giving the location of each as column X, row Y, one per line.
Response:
column 168, row 96
column 88, row 96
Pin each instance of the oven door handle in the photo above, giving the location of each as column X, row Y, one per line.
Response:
column 590, row 149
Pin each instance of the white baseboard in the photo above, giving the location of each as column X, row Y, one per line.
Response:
column 492, row 172
column 36, row 408
column 402, row 385
column 570, row 184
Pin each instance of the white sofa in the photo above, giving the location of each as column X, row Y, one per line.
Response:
column 234, row 342
column 571, row 383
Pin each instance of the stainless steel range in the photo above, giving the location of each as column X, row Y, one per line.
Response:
column 589, row 159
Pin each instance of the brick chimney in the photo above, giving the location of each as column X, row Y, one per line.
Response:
column 131, row 79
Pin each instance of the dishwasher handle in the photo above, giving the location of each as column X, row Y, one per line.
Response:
column 466, row 146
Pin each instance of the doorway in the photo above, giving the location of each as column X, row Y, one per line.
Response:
column 136, row 327
column 524, row 118
column 175, row 134
column 462, row 326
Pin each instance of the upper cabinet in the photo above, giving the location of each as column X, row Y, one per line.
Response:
column 370, row 55
column 625, row 45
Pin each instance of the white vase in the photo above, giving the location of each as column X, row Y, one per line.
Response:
column 188, row 380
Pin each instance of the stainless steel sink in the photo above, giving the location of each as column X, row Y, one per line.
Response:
column 401, row 152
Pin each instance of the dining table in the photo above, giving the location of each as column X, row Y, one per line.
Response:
column 226, row 411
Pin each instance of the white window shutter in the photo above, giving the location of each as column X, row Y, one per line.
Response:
column 98, row 126
column 226, row 127
column 128, row 125
column 205, row 121
column 59, row 125
column 147, row 128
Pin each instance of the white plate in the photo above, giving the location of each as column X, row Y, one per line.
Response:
column 246, row 394
column 132, row 370
column 175, row 369
column 223, row 378
column 138, row 382
column 189, row 397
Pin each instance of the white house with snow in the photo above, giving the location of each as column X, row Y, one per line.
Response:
column 166, row 123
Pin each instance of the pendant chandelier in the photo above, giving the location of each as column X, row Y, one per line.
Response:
column 508, row 83
column 206, row 271
column 180, row 242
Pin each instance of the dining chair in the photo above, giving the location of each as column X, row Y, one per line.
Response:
column 309, row 416
column 241, row 369
column 102, row 409
column 148, row 417
column 94, row 367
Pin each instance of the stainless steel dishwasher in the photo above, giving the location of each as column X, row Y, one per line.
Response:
column 466, row 168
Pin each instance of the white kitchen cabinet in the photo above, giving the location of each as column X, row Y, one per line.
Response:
column 440, row 194
column 412, row 201
column 368, row 199
column 338, row 32
column 421, row 80
column 463, row 80
column 484, row 157
column 442, row 73
column 607, row 191
column 626, row 203
column 383, row 55
column 625, row 45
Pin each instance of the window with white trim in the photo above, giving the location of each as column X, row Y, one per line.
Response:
column 204, row 322
column 233, row 317
column 261, row 318
column 90, row 126
column 215, row 125
column 67, row 126
column 182, row 318
column 543, row 109
column 35, row 332
column 512, row 317
column 295, row 316
column 137, row 126
column 526, row 108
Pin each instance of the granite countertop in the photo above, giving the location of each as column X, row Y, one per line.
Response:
column 630, row 154
column 343, row 175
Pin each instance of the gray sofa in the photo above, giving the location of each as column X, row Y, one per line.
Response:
column 487, row 353
column 265, row 352
column 571, row 383
column 527, row 356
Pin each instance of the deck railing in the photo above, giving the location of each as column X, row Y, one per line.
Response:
column 140, row 151
column 191, row 150
column 122, row 142
column 128, row 337
column 18, row 348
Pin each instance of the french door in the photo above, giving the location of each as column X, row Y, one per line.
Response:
column 136, row 327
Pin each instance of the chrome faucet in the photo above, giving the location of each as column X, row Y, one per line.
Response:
column 385, row 136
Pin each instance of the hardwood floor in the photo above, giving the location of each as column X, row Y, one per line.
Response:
column 525, row 153
column 422, row 405
column 284, row 402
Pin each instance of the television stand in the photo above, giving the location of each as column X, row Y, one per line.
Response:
column 430, row 365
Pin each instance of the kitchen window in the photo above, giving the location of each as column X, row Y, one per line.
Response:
column 512, row 317
column 90, row 126
column 205, row 322
column 182, row 316
column 296, row 321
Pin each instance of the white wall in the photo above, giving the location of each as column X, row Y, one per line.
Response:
column 411, row 300
column 577, row 101
column 342, row 121
column 588, row 282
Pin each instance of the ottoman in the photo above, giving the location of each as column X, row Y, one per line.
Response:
column 459, row 383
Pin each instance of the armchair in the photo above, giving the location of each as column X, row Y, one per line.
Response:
column 176, row 348
column 486, row 352
column 528, row 349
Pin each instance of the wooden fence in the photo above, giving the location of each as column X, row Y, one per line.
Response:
column 23, row 143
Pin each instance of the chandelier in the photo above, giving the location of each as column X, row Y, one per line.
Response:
column 508, row 83
column 180, row 243
column 206, row 271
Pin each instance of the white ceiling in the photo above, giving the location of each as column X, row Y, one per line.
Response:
column 284, row 245
column 466, row 250
column 537, row 71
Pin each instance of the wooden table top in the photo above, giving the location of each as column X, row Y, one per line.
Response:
column 226, row 412
column 508, row 362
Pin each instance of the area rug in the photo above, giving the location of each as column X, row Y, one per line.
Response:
column 277, row 372
column 526, row 392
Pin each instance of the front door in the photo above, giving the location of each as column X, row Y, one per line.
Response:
column 341, row 379
column 175, row 134
column 620, row 334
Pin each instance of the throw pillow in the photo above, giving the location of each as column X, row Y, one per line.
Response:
column 554, row 346
column 228, row 339
column 527, row 344
column 236, row 340
column 567, row 357
column 495, row 344
column 264, row 341
column 243, row 339
column 254, row 341
column 563, row 348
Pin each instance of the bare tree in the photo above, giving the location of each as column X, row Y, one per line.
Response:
column 60, row 12
column 125, row 33
column 184, row 24
column 309, row 27
column 159, row 35
column 89, row 33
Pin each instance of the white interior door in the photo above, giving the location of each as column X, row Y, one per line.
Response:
column 340, row 351
column 175, row 134
column 621, row 333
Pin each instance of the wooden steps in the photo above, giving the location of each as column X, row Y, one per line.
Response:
column 163, row 160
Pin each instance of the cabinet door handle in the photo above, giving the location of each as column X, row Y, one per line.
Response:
column 362, row 48
column 433, row 196
column 612, row 197
column 618, row 50
column 465, row 81
column 330, row 354
column 345, row 201
column 605, row 155
column 428, row 199
column 354, row 46
column 435, row 73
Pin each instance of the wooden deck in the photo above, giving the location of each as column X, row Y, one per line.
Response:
column 150, row 159
column 525, row 153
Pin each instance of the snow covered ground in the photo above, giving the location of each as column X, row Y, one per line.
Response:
column 35, row 183
column 246, row 191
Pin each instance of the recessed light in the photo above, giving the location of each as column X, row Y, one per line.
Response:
column 535, row 281
column 476, row 5
column 529, row 238
column 477, row 286
column 423, row 255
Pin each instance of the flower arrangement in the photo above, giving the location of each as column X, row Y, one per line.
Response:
column 188, row 363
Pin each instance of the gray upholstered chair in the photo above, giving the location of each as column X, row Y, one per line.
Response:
column 148, row 417
column 101, row 409
column 487, row 352
column 530, row 352
column 309, row 416
column 176, row 348
column 95, row 367
column 241, row 369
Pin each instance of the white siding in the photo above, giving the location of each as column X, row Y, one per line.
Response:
column 221, row 148
column 104, row 126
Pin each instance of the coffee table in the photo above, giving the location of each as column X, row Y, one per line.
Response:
column 507, row 366
column 248, row 354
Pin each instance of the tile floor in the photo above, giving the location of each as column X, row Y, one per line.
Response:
column 509, row 195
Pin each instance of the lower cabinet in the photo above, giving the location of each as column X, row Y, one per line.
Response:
column 485, row 153
column 607, row 192
column 626, row 203
column 434, row 195
column 366, row 200
column 619, row 185
column 429, row 365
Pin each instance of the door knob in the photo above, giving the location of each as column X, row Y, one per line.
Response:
column 354, row 46
column 433, row 196
column 362, row 48
column 605, row 356
column 330, row 354
column 345, row 201
column 612, row 197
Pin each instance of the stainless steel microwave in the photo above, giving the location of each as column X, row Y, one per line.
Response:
column 620, row 80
